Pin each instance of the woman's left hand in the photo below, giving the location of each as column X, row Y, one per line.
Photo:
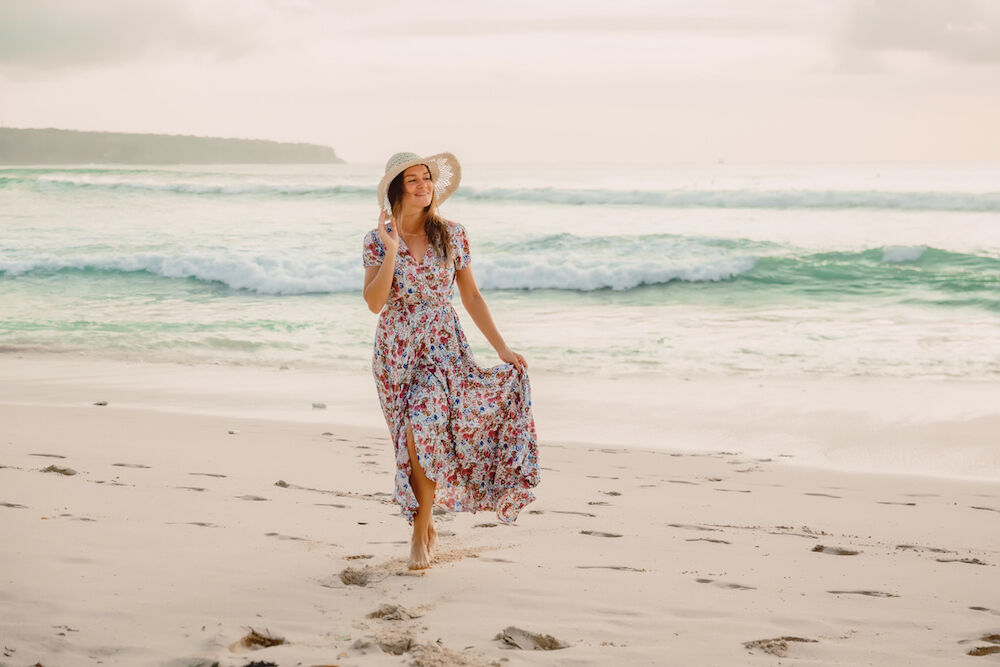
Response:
column 509, row 356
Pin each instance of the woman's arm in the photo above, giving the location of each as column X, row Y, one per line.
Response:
column 378, row 279
column 476, row 306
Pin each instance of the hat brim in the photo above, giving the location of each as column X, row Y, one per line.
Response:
column 445, row 171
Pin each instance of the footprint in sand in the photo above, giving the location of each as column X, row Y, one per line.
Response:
column 620, row 568
column 889, row 502
column 986, row 609
column 190, row 488
column 706, row 539
column 200, row 524
column 14, row 506
column 967, row 561
column 993, row 639
column 207, row 474
column 834, row 551
column 286, row 537
column 354, row 577
column 252, row 497
column 914, row 547
column 733, row 490
column 586, row 514
column 688, row 526
column 987, row 509
column 821, row 495
column 393, row 612
column 486, row 525
column 131, row 465
column 331, row 505
column 871, row 594
column 598, row 533
column 777, row 646
column 725, row 584
column 531, row 641
column 682, row 481
column 51, row 456
column 69, row 472
column 598, row 502
column 790, row 532
column 611, row 493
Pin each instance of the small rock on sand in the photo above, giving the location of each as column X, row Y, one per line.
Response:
column 319, row 406
column 529, row 641
column 101, row 403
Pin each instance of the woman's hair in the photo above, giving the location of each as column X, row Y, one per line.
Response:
column 435, row 226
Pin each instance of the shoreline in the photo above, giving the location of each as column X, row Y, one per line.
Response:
column 931, row 428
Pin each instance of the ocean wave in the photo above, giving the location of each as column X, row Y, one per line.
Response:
column 245, row 189
column 753, row 199
column 563, row 262
column 112, row 180
column 259, row 274
column 286, row 276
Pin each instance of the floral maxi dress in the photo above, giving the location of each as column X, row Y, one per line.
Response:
column 473, row 429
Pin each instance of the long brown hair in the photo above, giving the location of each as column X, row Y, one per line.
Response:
column 435, row 226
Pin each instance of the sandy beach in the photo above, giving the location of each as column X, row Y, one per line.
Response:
column 208, row 502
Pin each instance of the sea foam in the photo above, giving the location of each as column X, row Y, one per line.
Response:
column 897, row 254
column 269, row 275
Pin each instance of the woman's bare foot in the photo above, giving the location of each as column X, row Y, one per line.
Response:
column 420, row 558
column 432, row 540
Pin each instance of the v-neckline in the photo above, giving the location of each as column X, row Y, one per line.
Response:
column 423, row 260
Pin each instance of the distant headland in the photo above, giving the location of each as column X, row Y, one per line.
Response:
column 51, row 146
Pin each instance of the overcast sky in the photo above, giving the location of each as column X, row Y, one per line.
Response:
column 521, row 80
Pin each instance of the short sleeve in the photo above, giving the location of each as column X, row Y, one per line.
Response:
column 460, row 247
column 372, row 252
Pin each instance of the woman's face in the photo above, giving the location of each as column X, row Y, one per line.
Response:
column 418, row 187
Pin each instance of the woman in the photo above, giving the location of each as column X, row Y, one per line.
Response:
column 464, row 435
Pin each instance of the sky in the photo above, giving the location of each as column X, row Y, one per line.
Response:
column 521, row 81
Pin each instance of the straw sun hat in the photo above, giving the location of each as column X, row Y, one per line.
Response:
column 445, row 171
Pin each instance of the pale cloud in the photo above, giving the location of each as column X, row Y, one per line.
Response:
column 46, row 35
column 965, row 31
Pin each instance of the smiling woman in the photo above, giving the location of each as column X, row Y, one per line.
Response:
column 464, row 435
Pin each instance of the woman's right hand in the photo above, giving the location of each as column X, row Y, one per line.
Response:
column 389, row 237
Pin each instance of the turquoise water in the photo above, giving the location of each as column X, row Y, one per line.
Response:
column 773, row 270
